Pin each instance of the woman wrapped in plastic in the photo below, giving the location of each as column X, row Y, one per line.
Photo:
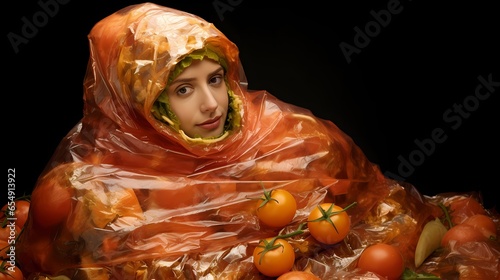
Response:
column 154, row 181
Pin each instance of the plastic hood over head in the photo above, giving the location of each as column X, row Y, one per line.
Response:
column 134, row 52
column 128, row 196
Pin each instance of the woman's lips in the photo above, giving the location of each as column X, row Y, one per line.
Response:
column 210, row 124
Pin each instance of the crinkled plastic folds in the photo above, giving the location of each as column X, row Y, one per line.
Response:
column 147, row 204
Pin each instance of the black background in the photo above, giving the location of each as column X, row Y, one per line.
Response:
column 425, row 60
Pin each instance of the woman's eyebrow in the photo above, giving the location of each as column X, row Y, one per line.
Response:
column 185, row 80
column 216, row 71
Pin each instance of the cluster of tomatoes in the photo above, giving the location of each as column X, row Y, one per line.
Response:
column 468, row 222
column 465, row 220
column 328, row 223
column 13, row 216
column 275, row 256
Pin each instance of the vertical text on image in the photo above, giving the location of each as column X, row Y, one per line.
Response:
column 11, row 218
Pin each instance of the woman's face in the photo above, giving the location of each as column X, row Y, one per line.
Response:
column 199, row 99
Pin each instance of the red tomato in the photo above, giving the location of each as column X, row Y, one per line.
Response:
column 276, row 261
column 22, row 208
column 276, row 208
column 298, row 275
column 484, row 224
column 382, row 259
column 329, row 226
column 461, row 234
column 462, row 208
column 50, row 203
column 10, row 272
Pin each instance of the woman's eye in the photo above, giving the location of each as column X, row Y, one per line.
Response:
column 216, row 80
column 184, row 90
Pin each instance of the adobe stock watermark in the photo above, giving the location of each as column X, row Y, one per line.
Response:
column 31, row 26
column 372, row 29
column 454, row 117
column 225, row 6
column 11, row 220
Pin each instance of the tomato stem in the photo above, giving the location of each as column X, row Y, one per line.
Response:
column 446, row 214
column 25, row 196
column 3, row 266
column 288, row 235
column 325, row 215
column 266, row 197
column 269, row 246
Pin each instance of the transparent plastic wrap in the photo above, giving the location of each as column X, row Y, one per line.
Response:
column 128, row 197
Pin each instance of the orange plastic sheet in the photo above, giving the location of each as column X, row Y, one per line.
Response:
column 128, row 197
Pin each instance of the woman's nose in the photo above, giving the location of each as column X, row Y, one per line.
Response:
column 208, row 102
